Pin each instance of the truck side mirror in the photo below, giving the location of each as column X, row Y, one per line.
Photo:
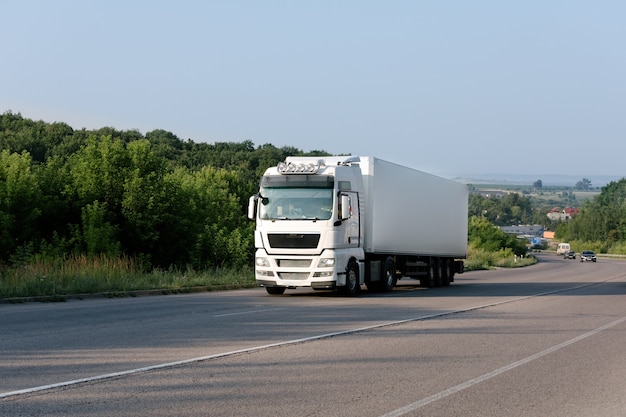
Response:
column 346, row 211
column 252, row 207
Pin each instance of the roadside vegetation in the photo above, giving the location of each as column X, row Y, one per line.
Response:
column 480, row 259
column 601, row 224
column 490, row 247
column 55, row 279
column 108, row 211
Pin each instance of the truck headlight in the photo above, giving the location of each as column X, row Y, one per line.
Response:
column 262, row 262
column 326, row 263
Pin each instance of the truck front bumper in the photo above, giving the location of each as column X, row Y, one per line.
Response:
column 316, row 285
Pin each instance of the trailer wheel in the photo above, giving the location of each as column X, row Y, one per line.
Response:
column 389, row 276
column 429, row 281
column 438, row 273
column 446, row 273
column 352, row 286
column 452, row 269
column 275, row 290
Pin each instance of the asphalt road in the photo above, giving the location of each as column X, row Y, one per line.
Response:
column 547, row 340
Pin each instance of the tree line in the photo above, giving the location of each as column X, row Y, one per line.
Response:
column 601, row 223
column 154, row 197
column 174, row 203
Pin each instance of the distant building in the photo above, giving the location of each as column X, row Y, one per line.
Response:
column 532, row 233
column 565, row 214
column 530, row 230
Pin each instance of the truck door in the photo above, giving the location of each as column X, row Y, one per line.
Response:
column 351, row 220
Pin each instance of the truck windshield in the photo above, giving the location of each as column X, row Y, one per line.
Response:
column 286, row 203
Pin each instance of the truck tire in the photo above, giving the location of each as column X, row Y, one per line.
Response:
column 447, row 272
column 275, row 290
column 453, row 270
column 438, row 273
column 429, row 280
column 352, row 286
column 389, row 279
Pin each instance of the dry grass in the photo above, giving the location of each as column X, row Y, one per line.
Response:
column 58, row 278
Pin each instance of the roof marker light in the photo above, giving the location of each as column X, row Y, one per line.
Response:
column 293, row 168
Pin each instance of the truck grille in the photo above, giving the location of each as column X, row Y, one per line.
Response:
column 294, row 263
column 293, row 240
column 293, row 275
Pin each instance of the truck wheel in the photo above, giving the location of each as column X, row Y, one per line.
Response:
column 275, row 290
column 446, row 273
column 429, row 281
column 438, row 273
column 389, row 276
column 352, row 286
column 453, row 270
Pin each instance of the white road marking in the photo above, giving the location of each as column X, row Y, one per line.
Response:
column 440, row 395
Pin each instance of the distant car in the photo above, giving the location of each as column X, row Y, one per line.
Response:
column 570, row 254
column 587, row 255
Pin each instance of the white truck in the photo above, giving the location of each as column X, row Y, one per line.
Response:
column 340, row 222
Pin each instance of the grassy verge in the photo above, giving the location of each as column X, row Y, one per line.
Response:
column 480, row 259
column 56, row 279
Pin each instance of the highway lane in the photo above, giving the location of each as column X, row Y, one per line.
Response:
column 532, row 341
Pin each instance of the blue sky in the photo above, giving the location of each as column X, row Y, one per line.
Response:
column 448, row 87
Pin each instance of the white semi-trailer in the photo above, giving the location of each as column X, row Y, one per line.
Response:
column 341, row 222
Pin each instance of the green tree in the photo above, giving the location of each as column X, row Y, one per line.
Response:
column 39, row 139
column 583, row 185
column 98, row 234
column 99, row 171
column 509, row 209
column 485, row 235
column 603, row 218
column 144, row 200
column 109, row 191
column 19, row 202
column 224, row 234
column 165, row 144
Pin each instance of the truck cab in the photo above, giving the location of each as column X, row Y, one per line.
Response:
column 308, row 229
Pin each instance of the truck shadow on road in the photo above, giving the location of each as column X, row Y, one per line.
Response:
column 521, row 289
